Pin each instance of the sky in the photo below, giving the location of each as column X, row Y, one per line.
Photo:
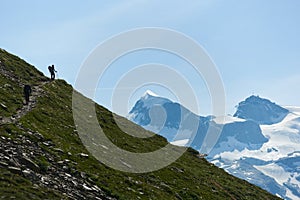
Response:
column 254, row 44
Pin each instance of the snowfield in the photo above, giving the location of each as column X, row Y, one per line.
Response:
column 283, row 143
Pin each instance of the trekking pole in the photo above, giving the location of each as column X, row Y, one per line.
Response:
column 57, row 74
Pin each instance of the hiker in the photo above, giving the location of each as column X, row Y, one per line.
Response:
column 27, row 92
column 52, row 72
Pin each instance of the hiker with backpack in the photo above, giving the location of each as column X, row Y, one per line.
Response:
column 52, row 72
column 27, row 92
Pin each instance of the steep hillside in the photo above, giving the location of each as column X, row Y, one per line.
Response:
column 42, row 156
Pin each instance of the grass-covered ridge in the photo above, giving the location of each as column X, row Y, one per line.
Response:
column 190, row 177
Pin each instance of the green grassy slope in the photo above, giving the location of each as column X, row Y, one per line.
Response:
column 189, row 177
column 19, row 72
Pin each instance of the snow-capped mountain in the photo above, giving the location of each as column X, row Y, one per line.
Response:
column 165, row 117
column 262, row 111
column 260, row 143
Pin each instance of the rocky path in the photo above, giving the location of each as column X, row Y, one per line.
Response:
column 37, row 91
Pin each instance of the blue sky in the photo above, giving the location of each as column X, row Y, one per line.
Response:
column 255, row 44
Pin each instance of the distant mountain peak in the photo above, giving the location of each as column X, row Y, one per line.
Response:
column 260, row 110
column 150, row 93
column 140, row 111
column 257, row 98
